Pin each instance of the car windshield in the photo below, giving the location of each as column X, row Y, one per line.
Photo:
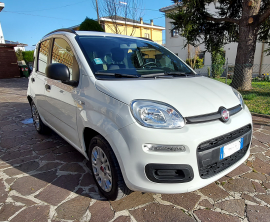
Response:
column 128, row 57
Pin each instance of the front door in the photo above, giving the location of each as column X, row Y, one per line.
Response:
column 60, row 97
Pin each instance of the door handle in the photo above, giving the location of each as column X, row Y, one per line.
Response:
column 47, row 87
column 33, row 79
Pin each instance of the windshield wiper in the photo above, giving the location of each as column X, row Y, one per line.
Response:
column 117, row 75
column 180, row 73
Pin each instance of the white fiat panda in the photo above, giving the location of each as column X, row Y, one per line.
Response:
column 144, row 119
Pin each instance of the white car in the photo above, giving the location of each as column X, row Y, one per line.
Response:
column 144, row 119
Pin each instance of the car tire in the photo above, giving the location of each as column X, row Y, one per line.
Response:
column 105, row 170
column 39, row 125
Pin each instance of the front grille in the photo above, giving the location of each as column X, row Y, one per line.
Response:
column 208, row 152
column 224, row 138
column 212, row 170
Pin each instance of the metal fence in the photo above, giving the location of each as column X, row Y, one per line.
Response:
column 253, row 82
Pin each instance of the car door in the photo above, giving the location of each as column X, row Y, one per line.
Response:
column 37, row 78
column 60, row 98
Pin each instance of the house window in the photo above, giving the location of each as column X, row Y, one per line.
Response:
column 146, row 35
column 174, row 32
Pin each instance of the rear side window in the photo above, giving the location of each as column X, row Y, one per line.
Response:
column 62, row 53
column 43, row 55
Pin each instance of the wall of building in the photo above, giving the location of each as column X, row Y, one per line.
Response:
column 9, row 66
column 2, row 39
column 21, row 48
column 154, row 34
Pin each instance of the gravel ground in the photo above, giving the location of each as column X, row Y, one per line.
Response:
column 42, row 178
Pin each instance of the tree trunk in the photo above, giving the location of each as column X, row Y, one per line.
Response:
column 248, row 31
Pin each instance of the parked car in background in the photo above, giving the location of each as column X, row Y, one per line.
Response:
column 144, row 119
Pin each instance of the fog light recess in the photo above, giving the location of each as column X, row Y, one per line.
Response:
column 164, row 148
column 169, row 173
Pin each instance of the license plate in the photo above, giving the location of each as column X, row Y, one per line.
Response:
column 231, row 148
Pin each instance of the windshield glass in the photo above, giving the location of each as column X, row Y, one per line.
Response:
column 129, row 56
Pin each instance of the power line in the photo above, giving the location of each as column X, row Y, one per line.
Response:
column 52, row 8
column 159, row 17
column 38, row 15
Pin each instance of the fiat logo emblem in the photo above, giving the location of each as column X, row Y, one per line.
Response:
column 225, row 115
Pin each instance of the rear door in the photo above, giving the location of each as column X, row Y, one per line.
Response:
column 60, row 98
column 37, row 78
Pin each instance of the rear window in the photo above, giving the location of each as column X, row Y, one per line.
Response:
column 43, row 54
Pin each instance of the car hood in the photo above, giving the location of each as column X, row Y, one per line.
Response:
column 190, row 96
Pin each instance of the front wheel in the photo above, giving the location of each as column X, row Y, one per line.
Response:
column 105, row 170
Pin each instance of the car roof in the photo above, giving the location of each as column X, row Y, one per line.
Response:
column 91, row 33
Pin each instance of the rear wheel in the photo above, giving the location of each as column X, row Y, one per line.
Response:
column 105, row 170
column 39, row 125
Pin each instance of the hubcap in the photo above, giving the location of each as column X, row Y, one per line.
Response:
column 101, row 168
column 35, row 117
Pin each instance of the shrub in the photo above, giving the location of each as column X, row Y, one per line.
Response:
column 197, row 65
column 19, row 55
column 28, row 56
column 208, row 72
column 218, row 61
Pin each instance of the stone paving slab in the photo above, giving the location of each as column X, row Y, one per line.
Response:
column 43, row 178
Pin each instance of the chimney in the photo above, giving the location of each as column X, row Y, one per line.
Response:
column 152, row 22
column 141, row 20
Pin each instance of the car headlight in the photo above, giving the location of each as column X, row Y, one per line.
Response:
column 156, row 115
column 239, row 96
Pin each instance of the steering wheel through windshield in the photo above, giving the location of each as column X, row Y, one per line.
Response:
column 149, row 64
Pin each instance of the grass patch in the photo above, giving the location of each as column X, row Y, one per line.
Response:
column 250, row 96
column 258, row 98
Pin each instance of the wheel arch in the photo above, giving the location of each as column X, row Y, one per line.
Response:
column 30, row 99
column 88, row 134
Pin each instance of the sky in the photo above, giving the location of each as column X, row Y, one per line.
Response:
column 29, row 20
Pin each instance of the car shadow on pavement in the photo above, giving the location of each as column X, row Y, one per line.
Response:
column 45, row 167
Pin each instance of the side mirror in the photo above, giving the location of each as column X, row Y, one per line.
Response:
column 57, row 71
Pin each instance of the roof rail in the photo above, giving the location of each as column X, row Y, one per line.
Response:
column 63, row 30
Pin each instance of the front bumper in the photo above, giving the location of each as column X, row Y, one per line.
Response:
column 127, row 144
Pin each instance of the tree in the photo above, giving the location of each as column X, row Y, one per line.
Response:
column 90, row 25
column 19, row 55
column 244, row 21
column 28, row 56
column 127, row 11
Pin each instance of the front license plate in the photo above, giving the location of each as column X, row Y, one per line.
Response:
column 231, row 148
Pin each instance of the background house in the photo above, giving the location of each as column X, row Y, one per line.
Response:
column 2, row 40
column 8, row 60
column 125, row 26
column 20, row 46
column 175, row 43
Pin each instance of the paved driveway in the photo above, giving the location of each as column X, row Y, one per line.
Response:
column 42, row 178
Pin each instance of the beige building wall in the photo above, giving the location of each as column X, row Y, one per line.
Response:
column 138, row 30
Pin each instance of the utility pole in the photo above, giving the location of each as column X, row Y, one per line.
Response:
column 97, row 11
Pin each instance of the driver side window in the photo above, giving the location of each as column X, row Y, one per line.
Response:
column 62, row 53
